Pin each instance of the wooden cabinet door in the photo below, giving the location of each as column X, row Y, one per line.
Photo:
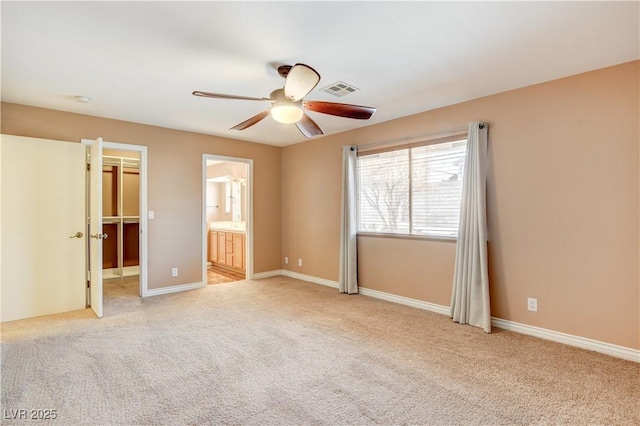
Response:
column 238, row 251
column 229, row 249
column 222, row 247
column 213, row 246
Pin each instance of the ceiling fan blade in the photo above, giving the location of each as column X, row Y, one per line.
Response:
column 308, row 127
column 223, row 96
column 341, row 110
column 300, row 81
column 250, row 122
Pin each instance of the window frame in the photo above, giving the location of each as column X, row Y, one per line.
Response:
column 459, row 137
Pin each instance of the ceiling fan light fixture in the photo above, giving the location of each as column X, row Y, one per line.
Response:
column 286, row 113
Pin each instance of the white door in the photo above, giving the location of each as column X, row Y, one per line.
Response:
column 43, row 222
column 95, row 226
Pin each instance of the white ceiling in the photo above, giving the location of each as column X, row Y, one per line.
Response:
column 140, row 61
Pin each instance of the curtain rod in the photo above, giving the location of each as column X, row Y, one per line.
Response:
column 450, row 132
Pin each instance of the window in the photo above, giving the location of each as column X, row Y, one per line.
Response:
column 415, row 190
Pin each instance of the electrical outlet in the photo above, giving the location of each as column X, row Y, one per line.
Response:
column 174, row 272
column 286, row 260
column 532, row 304
column 299, row 262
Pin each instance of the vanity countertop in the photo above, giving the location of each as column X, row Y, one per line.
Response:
column 228, row 226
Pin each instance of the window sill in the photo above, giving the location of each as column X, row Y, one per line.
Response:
column 408, row 237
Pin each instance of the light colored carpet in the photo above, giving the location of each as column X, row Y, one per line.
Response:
column 281, row 351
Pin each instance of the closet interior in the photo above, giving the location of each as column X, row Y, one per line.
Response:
column 120, row 214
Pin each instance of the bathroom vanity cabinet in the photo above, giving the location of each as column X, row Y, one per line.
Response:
column 226, row 249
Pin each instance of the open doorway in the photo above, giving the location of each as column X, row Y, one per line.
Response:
column 227, row 219
column 123, row 220
column 130, row 220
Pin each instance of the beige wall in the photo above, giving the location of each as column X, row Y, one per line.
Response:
column 563, row 206
column 174, row 184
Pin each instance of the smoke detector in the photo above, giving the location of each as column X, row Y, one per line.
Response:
column 82, row 99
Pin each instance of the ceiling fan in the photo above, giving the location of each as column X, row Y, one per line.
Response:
column 287, row 104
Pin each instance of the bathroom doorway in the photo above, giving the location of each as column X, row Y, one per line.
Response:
column 227, row 238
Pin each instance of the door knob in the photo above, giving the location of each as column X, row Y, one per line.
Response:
column 100, row 236
column 77, row 235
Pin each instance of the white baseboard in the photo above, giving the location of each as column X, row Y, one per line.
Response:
column 172, row 289
column 267, row 274
column 296, row 275
column 542, row 333
column 568, row 339
column 414, row 303
column 310, row 278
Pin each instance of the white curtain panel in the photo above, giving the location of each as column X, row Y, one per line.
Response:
column 470, row 295
column 348, row 223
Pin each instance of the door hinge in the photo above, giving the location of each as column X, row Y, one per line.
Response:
column 88, row 276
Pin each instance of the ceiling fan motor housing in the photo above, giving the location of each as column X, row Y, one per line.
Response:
column 283, row 70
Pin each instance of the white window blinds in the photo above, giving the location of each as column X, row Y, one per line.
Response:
column 415, row 190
